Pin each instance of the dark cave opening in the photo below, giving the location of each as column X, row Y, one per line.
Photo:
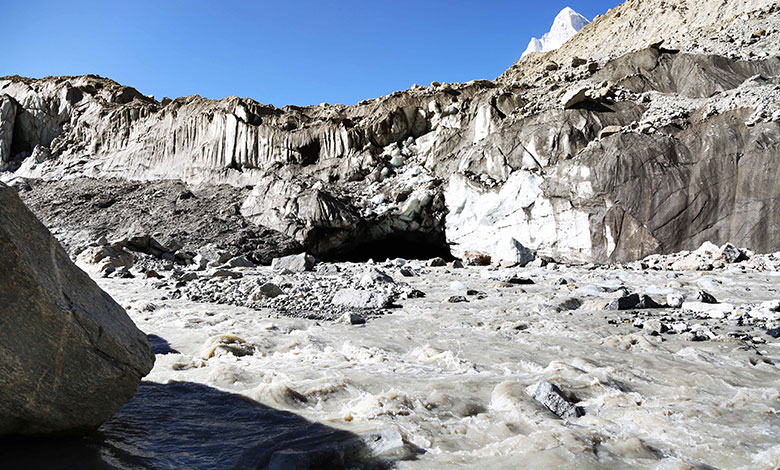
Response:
column 310, row 153
column 407, row 245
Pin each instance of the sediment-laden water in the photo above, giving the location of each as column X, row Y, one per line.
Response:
column 450, row 378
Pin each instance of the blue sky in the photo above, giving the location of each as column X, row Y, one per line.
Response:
column 293, row 52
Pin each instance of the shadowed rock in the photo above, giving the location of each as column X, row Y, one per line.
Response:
column 70, row 356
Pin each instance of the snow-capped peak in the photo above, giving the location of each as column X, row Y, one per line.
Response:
column 566, row 24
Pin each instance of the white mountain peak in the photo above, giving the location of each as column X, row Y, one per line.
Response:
column 566, row 24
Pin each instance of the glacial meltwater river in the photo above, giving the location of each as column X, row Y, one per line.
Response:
column 444, row 382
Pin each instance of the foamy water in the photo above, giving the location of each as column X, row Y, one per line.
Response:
column 450, row 377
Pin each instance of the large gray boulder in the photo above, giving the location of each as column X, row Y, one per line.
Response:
column 70, row 356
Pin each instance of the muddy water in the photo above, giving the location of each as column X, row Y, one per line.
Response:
column 450, row 377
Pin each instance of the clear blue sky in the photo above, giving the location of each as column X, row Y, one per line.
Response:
column 278, row 52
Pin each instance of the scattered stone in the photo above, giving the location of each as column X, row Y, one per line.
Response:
column 706, row 297
column 655, row 325
column 578, row 61
column 632, row 301
column 729, row 254
column 675, row 300
column 458, row 286
column 692, row 263
column 240, row 262
column 437, row 262
column 456, row 299
column 520, row 281
column 226, row 273
column 351, row 318
column 554, row 400
column 361, row 299
column 270, row 289
column 374, row 276
column 406, row 272
column 574, row 97
column 569, row 304
column 475, row 258
column 773, row 332
column 293, row 263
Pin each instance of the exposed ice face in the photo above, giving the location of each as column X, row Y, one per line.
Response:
column 566, row 24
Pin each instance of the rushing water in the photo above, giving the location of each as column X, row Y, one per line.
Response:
column 450, row 379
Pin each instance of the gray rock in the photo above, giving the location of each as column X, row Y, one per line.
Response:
column 270, row 289
column 554, row 400
column 632, row 301
column 568, row 304
column 240, row 262
column 293, row 263
column 456, row 299
column 729, row 254
column 226, row 273
column 374, row 277
column 675, row 300
column 574, row 97
column 514, row 253
column 437, row 262
column 361, row 299
column 706, row 297
column 352, row 318
column 70, row 357
column 655, row 325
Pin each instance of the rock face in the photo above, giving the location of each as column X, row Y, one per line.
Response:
column 644, row 150
column 70, row 357
column 566, row 25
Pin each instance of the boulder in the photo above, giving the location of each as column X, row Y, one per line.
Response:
column 240, row 262
column 729, row 253
column 115, row 256
column 293, row 263
column 554, row 400
column 373, row 277
column 574, row 97
column 70, row 356
column 270, row 289
column 514, row 253
column 632, row 301
column 362, row 299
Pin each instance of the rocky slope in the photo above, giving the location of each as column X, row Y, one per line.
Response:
column 603, row 150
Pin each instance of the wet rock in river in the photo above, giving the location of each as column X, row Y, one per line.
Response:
column 554, row 400
column 351, row 318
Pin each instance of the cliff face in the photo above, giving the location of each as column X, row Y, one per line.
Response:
column 591, row 159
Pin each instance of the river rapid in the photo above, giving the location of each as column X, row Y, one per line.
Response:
column 446, row 381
